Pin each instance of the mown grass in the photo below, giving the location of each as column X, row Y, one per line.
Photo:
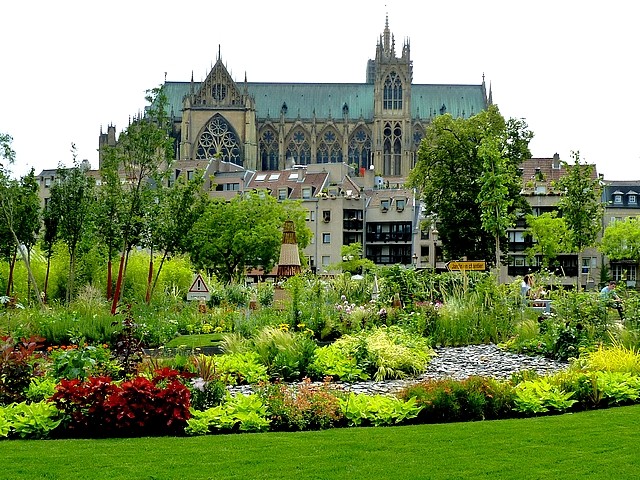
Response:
column 593, row 444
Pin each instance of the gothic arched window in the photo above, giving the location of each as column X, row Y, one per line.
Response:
column 219, row 138
column 392, row 149
column 269, row 149
column 360, row 148
column 298, row 148
column 418, row 133
column 392, row 93
column 329, row 147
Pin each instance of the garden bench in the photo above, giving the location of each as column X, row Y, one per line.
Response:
column 543, row 306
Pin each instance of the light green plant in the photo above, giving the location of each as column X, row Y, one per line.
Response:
column 377, row 410
column 541, row 395
column 246, row 413
column 32, row 420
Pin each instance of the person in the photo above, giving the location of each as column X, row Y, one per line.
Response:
column 611, row 298
column 525, row 286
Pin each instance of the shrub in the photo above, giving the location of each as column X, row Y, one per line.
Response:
column 244, row 413
column 29, row 420
column 302, row 407
column 238, row 368
column 82, row 362
column 18, row 363
column 448, row 400
column 136, row 407
column 377, row 410
column 541, row 395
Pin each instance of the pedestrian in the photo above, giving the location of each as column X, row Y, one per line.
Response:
column 609, row 295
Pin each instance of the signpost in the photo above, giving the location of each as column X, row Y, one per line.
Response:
column 199, row 290
column 461, row 266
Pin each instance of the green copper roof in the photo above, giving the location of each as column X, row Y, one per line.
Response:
column 328, row 99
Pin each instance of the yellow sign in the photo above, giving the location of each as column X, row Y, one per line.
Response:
column 466, row 265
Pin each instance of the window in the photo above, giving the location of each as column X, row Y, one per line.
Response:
column 384, row 204
column 189, row 174
column 623, row 272
column 47, row 182
column 326, row 260
column 311, row 260
column 306, row 192
column 326, row 216
column 293, row 176
column 282, row 193
column 326, row 238
column 274, row 176
column 632, row 199
column 588, row 264
column 518, row 261
column 311, row 216
column 400, row 204
column 617, row 199
column 261, row 177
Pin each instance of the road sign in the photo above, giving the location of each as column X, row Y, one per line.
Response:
column 198, row 290
column 458, row 266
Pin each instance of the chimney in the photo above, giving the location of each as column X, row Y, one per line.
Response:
column 556, row 162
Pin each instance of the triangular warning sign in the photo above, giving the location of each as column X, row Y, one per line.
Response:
column 198, row 285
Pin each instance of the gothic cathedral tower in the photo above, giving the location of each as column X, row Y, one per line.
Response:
column 392, row 129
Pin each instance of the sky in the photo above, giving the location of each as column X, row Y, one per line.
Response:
column 569, row 68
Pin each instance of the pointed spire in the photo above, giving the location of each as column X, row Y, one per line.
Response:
column 219, row 55
column 490, row 100
column 387, row 35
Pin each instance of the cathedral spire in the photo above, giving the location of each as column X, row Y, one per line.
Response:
column 387, row 35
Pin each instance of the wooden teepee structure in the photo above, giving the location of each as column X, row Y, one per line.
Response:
column 289, row 263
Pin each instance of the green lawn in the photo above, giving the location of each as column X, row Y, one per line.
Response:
column 594, row 444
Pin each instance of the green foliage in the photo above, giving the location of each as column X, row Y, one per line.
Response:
column 621, row 240
column 581, row 205
column 451, row 160
column 302, row 407
column 244, row 232
column 614, row 358
column 352, row 260
column 377, row 410
column 82, row 362
column 449, row 400
column 19, row 361
column 244, row 413
column 541, row 395
column 286, row 355
column 549, row 234
column 40, row 388
column 30, row 420
column 243, row 367
column 333, row 361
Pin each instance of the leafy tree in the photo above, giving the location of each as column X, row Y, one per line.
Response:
column 72, row 197
column 28, row 214
column 178, row 208
column 549, row 233
column 621, row 240
column 244, row 232
column 48, row 242
column 142, row 155
column 352, row 260
column 581, row 205
column 467, row 177
column 11, row 209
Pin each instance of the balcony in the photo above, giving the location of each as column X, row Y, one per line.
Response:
column 352, row 224
column 388, row 237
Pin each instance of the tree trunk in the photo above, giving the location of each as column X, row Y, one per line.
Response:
column 155, row 281
column 116, row 294
column 12, row 265
column 147, row 297
column 109, row 279
column 46, row 279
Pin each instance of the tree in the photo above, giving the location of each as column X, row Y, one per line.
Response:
column 549, row 234
column 352, row 260
column 581, row 206
column 72, row 196
column 48, row 241
column 142, row 155
column 178, row 209
column 28, row 214
column 621, row 240
column 244, row 232
column 10, row 194
column 467, row 177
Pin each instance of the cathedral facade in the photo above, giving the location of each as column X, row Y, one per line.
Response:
column 259, row 126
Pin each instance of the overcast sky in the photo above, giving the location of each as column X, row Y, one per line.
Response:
column 568, row 67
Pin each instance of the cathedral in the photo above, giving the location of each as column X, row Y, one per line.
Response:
column 261, row 126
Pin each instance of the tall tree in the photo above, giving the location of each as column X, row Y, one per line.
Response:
column 467, row 177
column 179, row 207
column 581, row 206
column 143, row 152
column 72, row 196
column 621, row 240
column 10, row 193
column 244, row 232
column 549, row 234
column 28, row 214
column 48, row 242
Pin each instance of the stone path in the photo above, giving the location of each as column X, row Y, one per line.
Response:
column 457, row 363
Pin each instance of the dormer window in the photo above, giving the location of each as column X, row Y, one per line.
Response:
column 384, row 204
column 617, row 198
column 633, row 199
column 306, row 192
column 400, row 204
column 282, row 193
